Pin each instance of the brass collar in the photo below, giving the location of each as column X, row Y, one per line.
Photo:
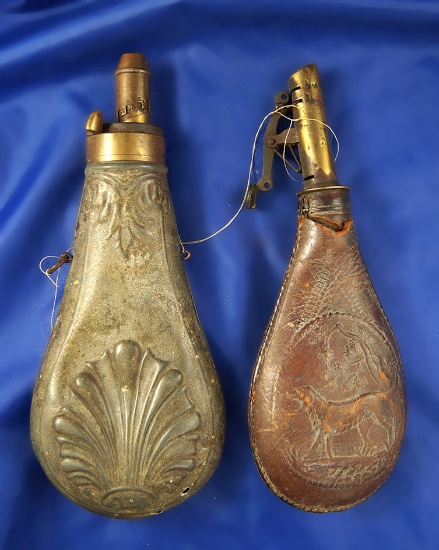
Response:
column 107, row 147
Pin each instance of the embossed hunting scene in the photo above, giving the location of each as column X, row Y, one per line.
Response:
column 219, row 226
column 327, row 385
column 347, row 364
column 128, row 415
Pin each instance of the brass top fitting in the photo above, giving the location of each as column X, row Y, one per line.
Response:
column 132, row 137
column 307, row 141
column 132, row 89
column 313, row 140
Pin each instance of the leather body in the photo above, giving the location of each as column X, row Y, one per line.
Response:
column 327, row 403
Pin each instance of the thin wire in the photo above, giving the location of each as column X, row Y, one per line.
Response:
column 52, row 315
column 284, row 153
column 54, row 282
column 45, row 272
column 246, row 189
column 278, row 110
column 298, row 105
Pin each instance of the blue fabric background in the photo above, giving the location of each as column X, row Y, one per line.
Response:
column 216, row 67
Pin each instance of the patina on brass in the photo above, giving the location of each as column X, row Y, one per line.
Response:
column 327, row 407
column 127, row 414
column 132, row 89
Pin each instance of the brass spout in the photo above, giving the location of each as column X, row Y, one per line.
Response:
column 132, row 138
column 314, row 145
column 132, row 89
column 307, row 141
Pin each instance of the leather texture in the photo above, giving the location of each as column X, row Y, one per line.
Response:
column 327, row 403
column 216, row 66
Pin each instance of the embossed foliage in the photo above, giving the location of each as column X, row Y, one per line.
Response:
column 125, row 205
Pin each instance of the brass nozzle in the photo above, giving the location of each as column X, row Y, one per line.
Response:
column 125, row 141
column 132, row 89
column 314, row 143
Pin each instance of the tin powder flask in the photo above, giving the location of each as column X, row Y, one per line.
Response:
column 327, row 403
column 127, row 414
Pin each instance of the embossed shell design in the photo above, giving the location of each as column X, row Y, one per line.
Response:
column 129, row 432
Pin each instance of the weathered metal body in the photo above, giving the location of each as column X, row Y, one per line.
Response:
column 127, row 414
column 327, row 404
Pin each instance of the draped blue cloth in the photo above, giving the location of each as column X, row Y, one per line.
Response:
column 216, row 67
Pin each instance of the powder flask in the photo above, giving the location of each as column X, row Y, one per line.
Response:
column 127, row 415
column 327, row 407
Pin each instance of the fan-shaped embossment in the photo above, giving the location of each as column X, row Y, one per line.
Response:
column 129, row 431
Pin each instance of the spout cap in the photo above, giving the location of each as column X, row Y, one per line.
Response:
column 132, row 62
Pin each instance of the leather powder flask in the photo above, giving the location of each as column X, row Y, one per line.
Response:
column 127, row 414
column 327, row 403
